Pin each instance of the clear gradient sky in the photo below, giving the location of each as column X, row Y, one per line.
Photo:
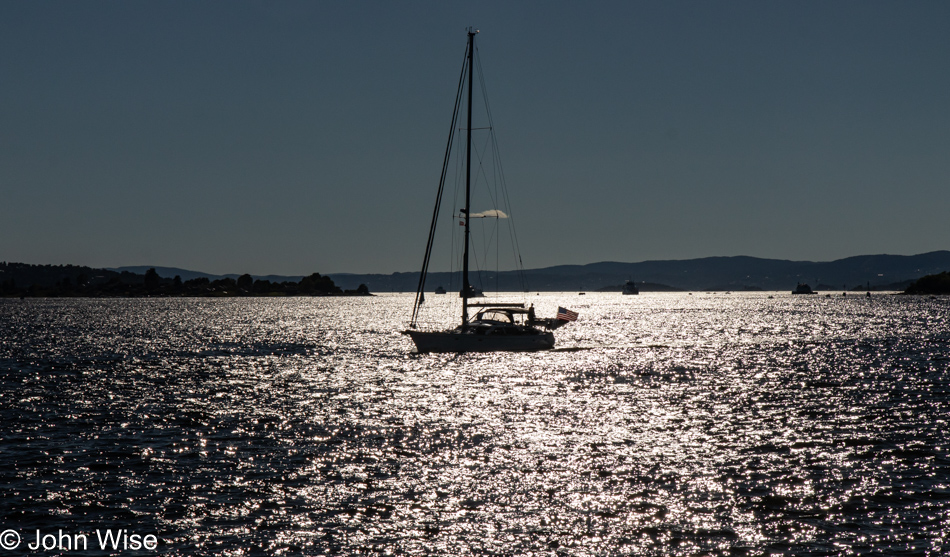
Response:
column 293, row 137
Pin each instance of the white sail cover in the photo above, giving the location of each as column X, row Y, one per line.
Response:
column 491, row 213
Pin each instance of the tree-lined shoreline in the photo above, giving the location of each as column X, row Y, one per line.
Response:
column 22, row 280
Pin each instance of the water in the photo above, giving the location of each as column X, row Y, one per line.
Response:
column 665, row 424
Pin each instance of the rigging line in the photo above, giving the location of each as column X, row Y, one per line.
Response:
column 480, row 173
column 461, row 174
column 512, row 230
column 438, row 201
column 490, row 138
column 504, row 186
column 497, row 181
column 487, row 242
column 457, row 237
column 455, row 255
column 478, row 270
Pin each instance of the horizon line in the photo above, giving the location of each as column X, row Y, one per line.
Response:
column 349, row 273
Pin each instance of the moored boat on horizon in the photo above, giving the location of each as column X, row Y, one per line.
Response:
column 803, row 288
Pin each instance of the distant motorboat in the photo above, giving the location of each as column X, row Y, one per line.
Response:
column 630, row 287
column 439, row 290
column 473, row 292
column 803, row 288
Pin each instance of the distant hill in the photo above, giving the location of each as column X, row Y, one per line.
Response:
column 709, row 273
column 185, row 274
column 880, row 272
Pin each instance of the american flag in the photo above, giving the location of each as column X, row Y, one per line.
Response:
column 564, row 314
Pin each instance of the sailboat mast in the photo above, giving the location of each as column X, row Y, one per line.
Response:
column 466, row 287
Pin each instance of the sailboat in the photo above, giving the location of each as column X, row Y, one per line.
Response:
column 495, row 327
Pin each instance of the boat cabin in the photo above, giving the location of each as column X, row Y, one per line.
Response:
column 504, row 320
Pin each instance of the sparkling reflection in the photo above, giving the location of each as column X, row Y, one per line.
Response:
column 663, row 425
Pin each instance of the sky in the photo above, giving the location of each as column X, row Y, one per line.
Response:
column 297, row 137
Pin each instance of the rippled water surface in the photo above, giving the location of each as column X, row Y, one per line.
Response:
column 664, row 424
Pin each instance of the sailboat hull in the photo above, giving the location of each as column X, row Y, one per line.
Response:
column 455, row 341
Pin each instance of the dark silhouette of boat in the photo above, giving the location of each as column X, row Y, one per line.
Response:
column 496, row 326
column 803, row 288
